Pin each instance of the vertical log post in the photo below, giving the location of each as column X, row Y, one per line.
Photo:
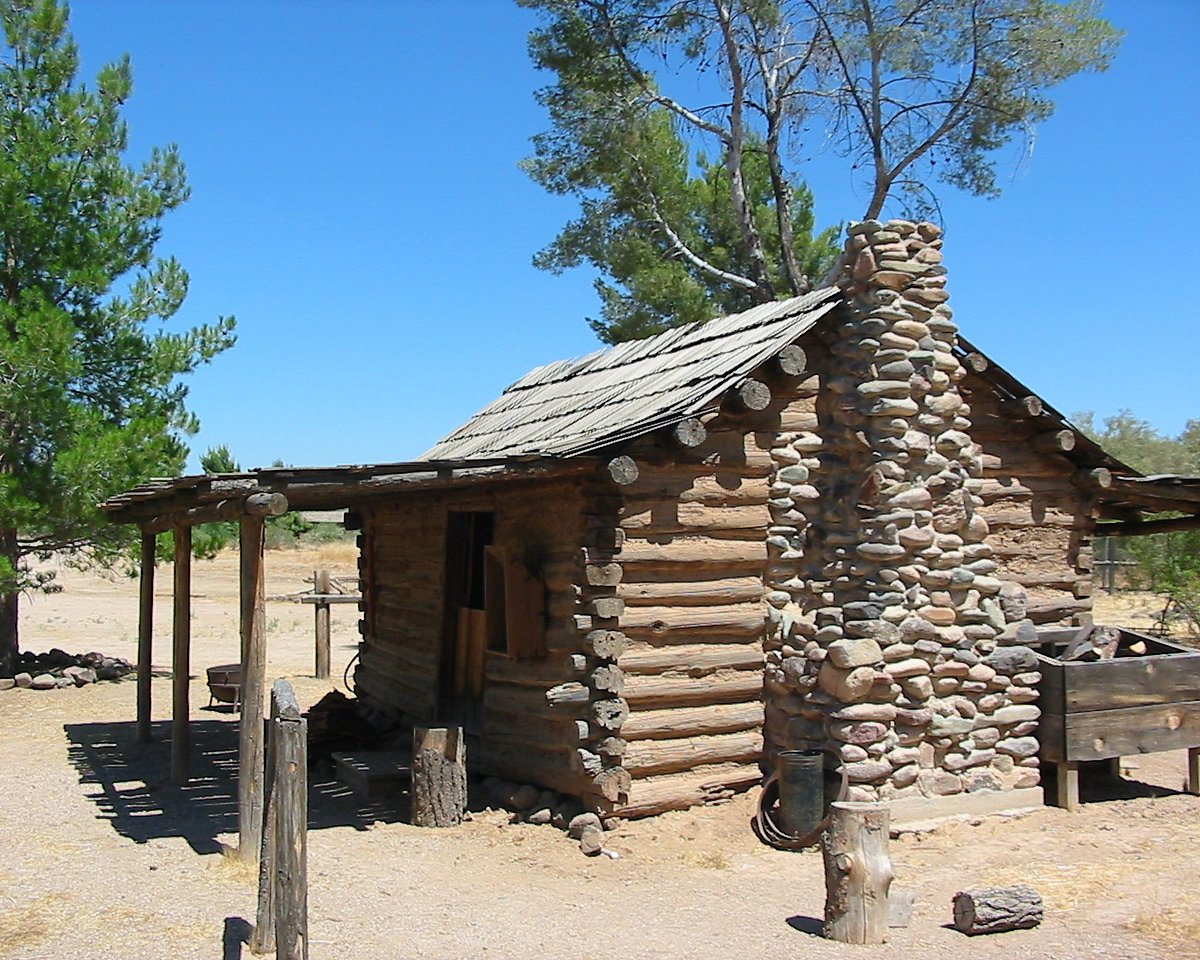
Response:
column 321, row 613
column 252, row 594
column 263, row 938
column 1193, row 771
column 439, row 776
column 181, row 656
column 290, row 786
column 858, row 873
column 145, row 653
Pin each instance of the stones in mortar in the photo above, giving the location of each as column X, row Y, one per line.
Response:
column 891, row 643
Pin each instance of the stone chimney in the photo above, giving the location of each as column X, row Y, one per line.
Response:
column 893, row 645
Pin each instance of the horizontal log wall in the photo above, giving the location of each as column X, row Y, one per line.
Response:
column 694, row 549
column 529, row 735
column 525, row 734
column 403, row 562
column 1039, row 521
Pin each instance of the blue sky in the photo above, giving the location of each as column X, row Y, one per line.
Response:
column 358, row 206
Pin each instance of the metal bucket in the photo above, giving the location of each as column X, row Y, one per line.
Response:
column 802, row 791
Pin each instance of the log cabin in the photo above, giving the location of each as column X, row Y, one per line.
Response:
column 829, row 523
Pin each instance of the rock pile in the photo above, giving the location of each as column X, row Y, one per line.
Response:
column 57, row 668
column 892, row 644
column 538, row 806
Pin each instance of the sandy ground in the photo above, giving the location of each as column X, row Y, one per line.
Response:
column 104, row 858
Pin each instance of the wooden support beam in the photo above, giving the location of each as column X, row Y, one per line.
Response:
column 321, row 624
column 751, row 395
column 1053, row 441
column 1025, row 408
column 689, row 433
column 975, row 361
column 254, row 669
column 1067, row 795
column 791, row 360
column 1193, row 770
column 235, row 508
column 623, row 470
column 1100, row 478
column 181, row 656
column 1139, row 528
column 145, row 635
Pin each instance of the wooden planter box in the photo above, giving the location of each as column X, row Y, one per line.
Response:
column 1109, row 709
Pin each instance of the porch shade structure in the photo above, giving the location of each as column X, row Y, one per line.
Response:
column 178, row 504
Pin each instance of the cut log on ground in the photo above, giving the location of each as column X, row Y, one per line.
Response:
column 439, row 777
column 996, row 909
column 858, row 872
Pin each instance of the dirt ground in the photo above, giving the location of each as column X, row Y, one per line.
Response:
column 104, row 858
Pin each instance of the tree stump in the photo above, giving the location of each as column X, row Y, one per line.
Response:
column 858, row 872
column 996, row 909
column 439, row 776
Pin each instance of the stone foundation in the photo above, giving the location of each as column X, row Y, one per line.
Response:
column 892, row 645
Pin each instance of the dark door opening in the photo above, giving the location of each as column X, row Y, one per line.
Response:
column 465, row 627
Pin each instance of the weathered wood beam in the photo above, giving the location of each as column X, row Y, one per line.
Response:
column 145, row 635
column 255, row 505
column 181, row 651
column 1100, row 478
column 252, row 595
column 1025, row 408
column 623, row 470
column 321, row 624
column 751, row 395
column 1053, row 441
column 1139, row 528
column 689, row 433
column 975, row 361
column 791, row 360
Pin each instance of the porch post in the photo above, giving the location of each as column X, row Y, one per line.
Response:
column 181, row 655
column 254, row 665
column 145, row 636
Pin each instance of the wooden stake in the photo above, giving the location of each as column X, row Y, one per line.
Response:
column 145, row 636
column 290, row 788
column 1193, row 772
column 858, row 872
column 181, row 655
column 254, row 683
column 263, row 938
column 439, row 776
column 321, row 624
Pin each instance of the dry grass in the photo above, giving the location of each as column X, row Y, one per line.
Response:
column 708, row 860
column 1062, row 886
column 1175, row 929
column 26, row 925
column 230, row 866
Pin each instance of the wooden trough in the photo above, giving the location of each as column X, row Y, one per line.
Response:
column 1107, row 709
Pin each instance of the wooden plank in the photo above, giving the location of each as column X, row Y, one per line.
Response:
column 254, row 683
column 1131, row 682
column 711, row 551
column 651, row 757
column 181, row 650
column 735, row 686
column 704, row 785
column 682, row 722
column 695, row 660
column 1105, row 733
column 321, row 624
column 291, row 824
column 677, row 624
column 692, row 593
column 145, row 635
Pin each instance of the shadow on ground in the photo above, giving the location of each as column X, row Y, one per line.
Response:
column 134, row 792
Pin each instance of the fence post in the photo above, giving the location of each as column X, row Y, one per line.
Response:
column 321, row 611
column 283, row 867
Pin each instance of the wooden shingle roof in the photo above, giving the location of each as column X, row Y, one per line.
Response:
column 573, row 407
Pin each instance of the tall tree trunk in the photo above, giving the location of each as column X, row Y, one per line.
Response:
column 8, row 608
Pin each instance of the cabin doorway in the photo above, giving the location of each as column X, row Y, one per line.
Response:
column 469, row 534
